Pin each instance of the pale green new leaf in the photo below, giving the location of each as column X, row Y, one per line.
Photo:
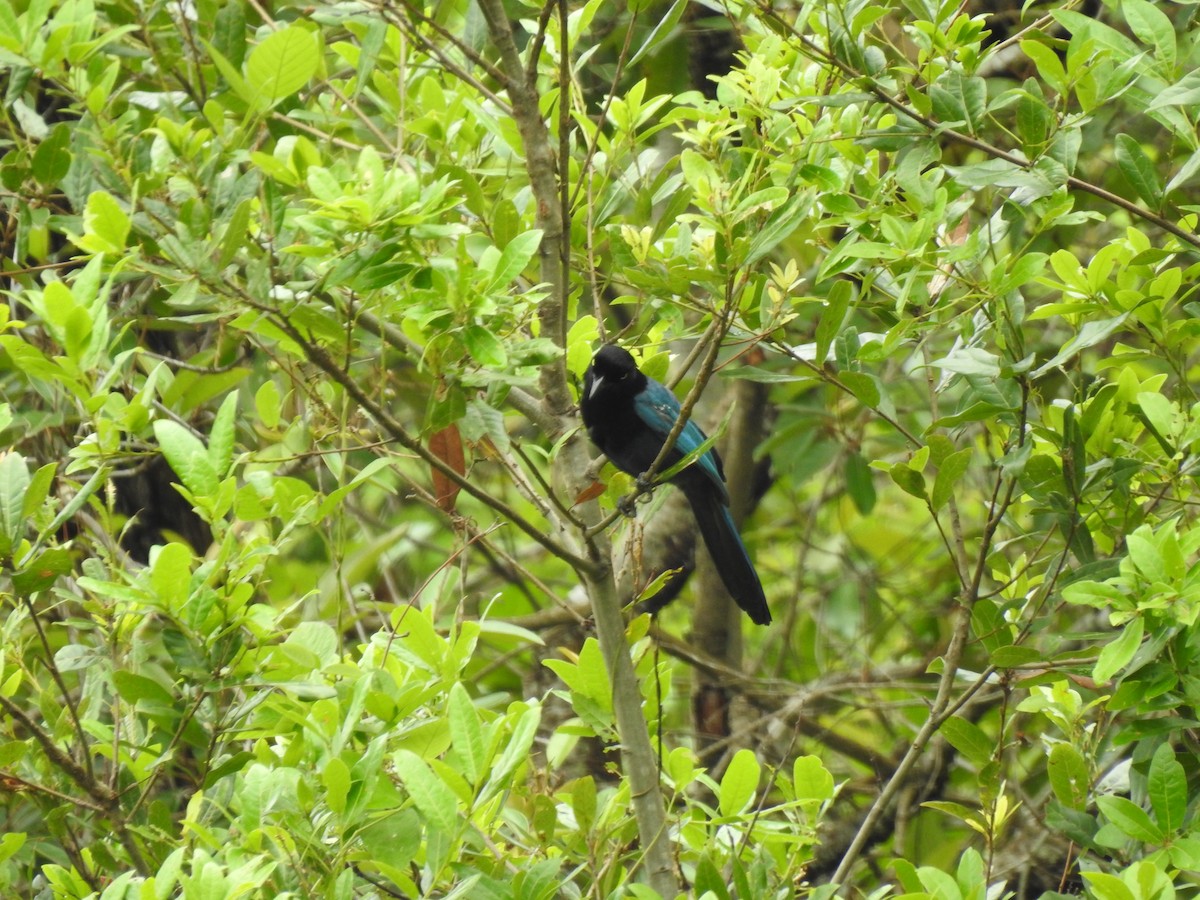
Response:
column 105, row 224
column 171, row 574
column 811, row 780
column 283, row 63
column 739, row 783
column 187, row 457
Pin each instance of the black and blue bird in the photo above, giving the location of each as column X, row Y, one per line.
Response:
column 629, row 416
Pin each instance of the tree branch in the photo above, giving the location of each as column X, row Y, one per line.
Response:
column 637, row 755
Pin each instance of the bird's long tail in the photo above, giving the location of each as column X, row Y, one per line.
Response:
column 729, row 553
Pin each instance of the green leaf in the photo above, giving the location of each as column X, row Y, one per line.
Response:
column 864, row 387
column 959, row 98
column 833, row 317
column 220, row 441
column 971, row 874
column 970, row 361
column 1160, row 415
column 906, row 874
column 14, row 484
column 950, row 471
column 39, row 489
column 940, row 885
column 957, row 810
column 485, row 348
column 1185, row 173
column 229, row 33
column 187, row 456
column 1131, row 819
column 134, row 688
column 1092, row 333
column 11, row 843
column 1152, row 26
column 517, row 751
column 52, row 159
column 282, row 64
column 1091, row 28
column 969, row 739
column 709, row 882
column 664, row 29
column 1138, row 170
column 1035, row 120
column 860, row 484
column 234, row 237
column 811, row 780
column 909, row 481
column 1185, row 92
column 1117, row 654
column 336, row 780
column 268, row 404
column 989, row 625
column 466, row 734
column 515, row 257
column 779, row 226
column 739, row 783
column 1069, row 778
column 1108, row 887
column 1168, row 790
column 393, row 839
column 233, row 77
column 1156, row 553
column 432, row 797
column 105, row 224
column 1048, row 63
column 700, row 174
column 43, row 571
column 171, row 574
column 1013, row 656
column 587, row 677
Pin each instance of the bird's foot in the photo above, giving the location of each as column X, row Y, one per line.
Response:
column 627, row 506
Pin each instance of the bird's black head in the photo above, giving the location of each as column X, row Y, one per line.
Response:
column 613, row 375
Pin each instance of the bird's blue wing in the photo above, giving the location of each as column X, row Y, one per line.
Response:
column 659, row 409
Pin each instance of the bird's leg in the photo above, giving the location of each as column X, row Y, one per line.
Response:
column 627, row 505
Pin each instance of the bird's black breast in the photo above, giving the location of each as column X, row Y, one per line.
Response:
column 622, row 436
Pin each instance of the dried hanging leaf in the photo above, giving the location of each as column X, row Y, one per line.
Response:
column 591, row 492
column 447, row 446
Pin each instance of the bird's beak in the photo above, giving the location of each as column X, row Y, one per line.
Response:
column 597, row 380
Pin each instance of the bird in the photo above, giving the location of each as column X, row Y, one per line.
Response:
column 629, row 415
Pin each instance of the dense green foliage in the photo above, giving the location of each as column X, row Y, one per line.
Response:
column 319, row 264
